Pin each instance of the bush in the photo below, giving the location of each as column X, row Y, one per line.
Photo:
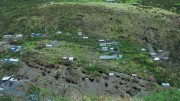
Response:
column 67, row 63
column 41, row 45
column 95, row 69
column 11, row 66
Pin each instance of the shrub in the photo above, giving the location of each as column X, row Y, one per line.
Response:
column 40, row 45
column 95, row 69
column 11, row 66
column 67, row 63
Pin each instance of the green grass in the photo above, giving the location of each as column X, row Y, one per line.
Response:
column 166, row 95
column 98, row 21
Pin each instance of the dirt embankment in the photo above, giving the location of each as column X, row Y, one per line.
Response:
column 73, row 80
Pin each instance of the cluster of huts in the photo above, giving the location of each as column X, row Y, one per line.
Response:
column 12, row 37
column 106, row 46
column 82, row 35
column 156, row 55
column 109, row 47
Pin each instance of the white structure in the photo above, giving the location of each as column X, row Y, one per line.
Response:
column 13, row 60
column 1, row 89
column 104, row 48
column 85, row 37
column 135, row 4
column 19, row 36
column 65, row 58
column 80, row 33
column 51, row 2
column 120, row 56
column 7, row 36
column 165, row 58
column 153, row 54
column 6, row 78
column 156, row 59
column 165, row 84
column 108, row 57
column 111, row 0
column 86, row 78
column 9, row 78
column 58, row 33
column 134, row 75
column 111, row 74
column 18, row 48
column 103, row 44
column 48, row 46
column 112, row 49
column 160, row 51
column 102, row 40
column 71, row 58
column 143, row 49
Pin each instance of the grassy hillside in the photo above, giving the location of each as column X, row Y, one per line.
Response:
column 96, row 20
column 129, row 25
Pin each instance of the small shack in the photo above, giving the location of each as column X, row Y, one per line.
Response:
column 136, row 4
column 85, row 37
column 16, row 48
column 153, row 54
column 166, row 85
column 71, row 58
column 108, row 57
column 58, row 33
column 9, row 78
column 6, row 78
column 114, row 1
column 18, row 36
column 105, row 44
column 165, row 58
column 80, row 33
column 104, row 48
column 102, row 40
column 120, row 56
column 143, row 49
column 111, row 50
column 7, row 37
column 49, row 46
column 134, row 75
column 156, row 59
column 36, row 34
column 160, row 51
column 111, row 74
column 11, row 60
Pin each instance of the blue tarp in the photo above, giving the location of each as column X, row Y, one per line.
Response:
column 38, row 34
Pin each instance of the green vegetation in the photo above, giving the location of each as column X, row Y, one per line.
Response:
column 33, row 92
column 61, row 99
column 126, row 24
column 165, row 95
column 11, row 66
column 95, row 20
column 6, row 98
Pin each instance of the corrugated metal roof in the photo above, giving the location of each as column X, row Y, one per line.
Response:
column 108, row 57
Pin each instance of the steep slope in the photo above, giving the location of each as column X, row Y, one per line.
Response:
column 132, row 27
